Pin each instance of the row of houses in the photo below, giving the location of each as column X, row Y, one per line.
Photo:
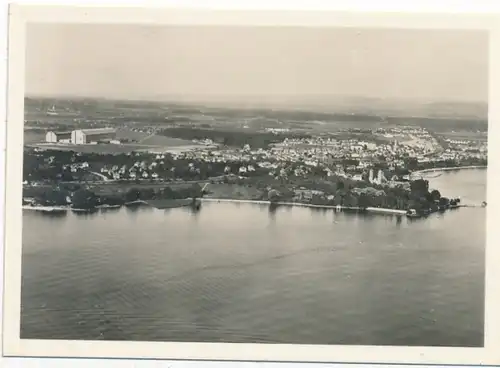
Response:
column 82, row 136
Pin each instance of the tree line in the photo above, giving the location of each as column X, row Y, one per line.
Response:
column 84, row 198
column 349, row 194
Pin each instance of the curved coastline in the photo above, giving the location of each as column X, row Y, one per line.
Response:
column 250, row 201
column 297, row 204
column 46, row 208
column 437, row 169
column 380, row 210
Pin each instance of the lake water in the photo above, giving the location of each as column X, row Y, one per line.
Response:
column 242, row 273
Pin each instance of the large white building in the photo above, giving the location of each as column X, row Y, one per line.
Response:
column 56, row 137
column 86, row 136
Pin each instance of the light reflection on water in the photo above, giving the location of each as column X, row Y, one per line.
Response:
column 251, row 273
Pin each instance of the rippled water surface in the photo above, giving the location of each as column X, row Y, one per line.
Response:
column 242, row 273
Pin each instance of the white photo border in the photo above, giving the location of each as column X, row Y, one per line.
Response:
column 20, row 15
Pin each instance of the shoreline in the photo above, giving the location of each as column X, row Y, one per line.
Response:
column 448, row 169
column 297, row 204
column 226, row 200
column 136, row 202
column 46, row 208
column 380, row 210
column 60, row 209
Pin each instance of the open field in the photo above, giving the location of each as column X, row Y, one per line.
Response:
column 152, row 143
column 34, row 136
column 130, row 134
column 117, row 148
column 178, row 149
column 163, row 141
column 151, row 139
column 233, row 191
column 93, row 148
column 114, row 188
column 464, row 135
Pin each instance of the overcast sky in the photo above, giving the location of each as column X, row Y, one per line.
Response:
column 117, row 61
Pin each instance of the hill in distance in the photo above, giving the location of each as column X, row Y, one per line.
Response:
column 321, row 105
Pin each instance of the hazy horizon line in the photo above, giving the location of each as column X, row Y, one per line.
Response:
column 239, row 100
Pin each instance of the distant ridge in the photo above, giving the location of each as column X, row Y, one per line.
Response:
column 335, row 105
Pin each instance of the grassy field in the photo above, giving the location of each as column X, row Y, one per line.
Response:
column 163, row 141
column 130, row 134
column 231, row 191
column 465, row 135
column 115, row 148
column 113, row 188
column 94, row 148
column 120, row 188
column 33, row 136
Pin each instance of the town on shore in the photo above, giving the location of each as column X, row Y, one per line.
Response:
column 113, row 165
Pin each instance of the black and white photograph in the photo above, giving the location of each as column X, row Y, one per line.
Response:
column 264, row 185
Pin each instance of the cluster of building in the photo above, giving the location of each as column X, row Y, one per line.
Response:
column 408, row 144
column 140, row 169
column 468, row 148
column 351, row 158
column 83, row 136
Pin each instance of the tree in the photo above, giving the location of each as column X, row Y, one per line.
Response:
column 54, row 198
column 111, row 200
column 419, row 187
column 84, row 199
column 167, row 193
column 350, row 200
column 364, row 201
column 66, row 175
column 132, row 195
column 416, row 205
column 147, row 193
column 273, row 195
column 435, row 195
column 443, row 201
column 195, row 190
column 411, row 163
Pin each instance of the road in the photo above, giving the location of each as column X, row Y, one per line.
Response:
column 103, row 177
